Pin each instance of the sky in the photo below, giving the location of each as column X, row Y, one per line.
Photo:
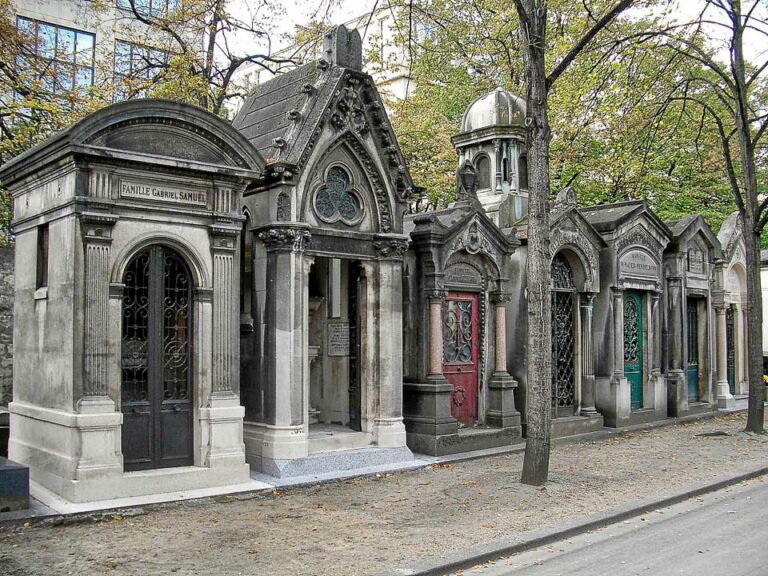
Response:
column 284, row 15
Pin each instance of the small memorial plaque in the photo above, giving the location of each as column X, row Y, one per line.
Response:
column 696, row 262
column 338, row 339
column 145, row 191
column 638, row 263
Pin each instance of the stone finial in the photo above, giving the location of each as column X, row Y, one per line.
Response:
column 344, row 48
column 566, row 198
column 466, row 182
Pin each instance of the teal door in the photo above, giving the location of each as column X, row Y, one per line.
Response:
column 633, row 346
column 730, row 348
column 693, row 350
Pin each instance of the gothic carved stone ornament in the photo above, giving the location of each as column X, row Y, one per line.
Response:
column 295, row 239
column 392, row 248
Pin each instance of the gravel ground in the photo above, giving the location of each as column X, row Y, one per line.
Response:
column 364, row 526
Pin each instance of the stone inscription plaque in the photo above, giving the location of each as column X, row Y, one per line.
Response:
column 338, row 339
column 696, row 262
column 144, row 191
column 638, row 263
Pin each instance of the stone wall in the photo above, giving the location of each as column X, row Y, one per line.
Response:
column 6, row 324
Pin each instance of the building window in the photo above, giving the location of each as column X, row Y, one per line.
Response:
column 42, row 256
column 61, row 57
column 149, row 7
column 483, row 173
column 135, row 67
column 523, row 172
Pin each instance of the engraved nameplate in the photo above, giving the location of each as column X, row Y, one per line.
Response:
column 338, row 339
column 143, row 191
column 638, row 263
column 696, row 262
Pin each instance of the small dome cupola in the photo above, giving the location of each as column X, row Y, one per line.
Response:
column 492, row 137
column 497, row 108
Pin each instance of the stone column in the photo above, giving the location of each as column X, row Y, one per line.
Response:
column 618, row 336
column 656, row 335
column 221, row 418
column 284, row 351
column 97, row 239
column 435, row 300
column 497, row 158
column 724, row 396
column 388, row 426
column 98, row 451
column 677, row 391
column 587, row 408
column 311, row 412
column 501, row 400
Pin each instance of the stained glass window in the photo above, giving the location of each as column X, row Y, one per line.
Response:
column 336, row 201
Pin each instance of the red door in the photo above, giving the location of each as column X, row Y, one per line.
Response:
column 460, row 353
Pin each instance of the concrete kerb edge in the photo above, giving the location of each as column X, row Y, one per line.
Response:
column 480, row 554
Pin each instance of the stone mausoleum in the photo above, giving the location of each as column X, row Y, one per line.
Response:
column 197, row 301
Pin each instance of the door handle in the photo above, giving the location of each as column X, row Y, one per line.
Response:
column 458, row 369
column 176, row 408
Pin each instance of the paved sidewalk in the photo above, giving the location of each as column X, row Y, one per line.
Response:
column 378, row 524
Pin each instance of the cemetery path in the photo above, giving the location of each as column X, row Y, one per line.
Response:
column 364, row 526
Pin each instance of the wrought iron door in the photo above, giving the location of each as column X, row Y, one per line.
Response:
column 563, row 338
column 730, row 347
column 156, row 387
column 460, row 354
column 633, row 346
column 693, row 350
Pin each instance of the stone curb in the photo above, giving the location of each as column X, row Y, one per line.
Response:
column 481, row 553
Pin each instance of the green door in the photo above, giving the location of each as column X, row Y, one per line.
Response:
column 633, row 346
column 693, row 351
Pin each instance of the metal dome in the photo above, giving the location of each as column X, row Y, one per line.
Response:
column 497, row 108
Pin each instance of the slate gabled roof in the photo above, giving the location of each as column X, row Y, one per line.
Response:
column 287, row 108
column 608, row 217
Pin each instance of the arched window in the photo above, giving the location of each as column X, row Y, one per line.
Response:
column 523, row 171
column 483, row 165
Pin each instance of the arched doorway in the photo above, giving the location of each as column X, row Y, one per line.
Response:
column 156, row 388
column 563, row 338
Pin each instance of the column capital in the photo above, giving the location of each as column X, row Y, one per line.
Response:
column 587, row 299
column 96, row 227
column 500, row 298
column 285, row 238
column 435, row 294
column 223, row 238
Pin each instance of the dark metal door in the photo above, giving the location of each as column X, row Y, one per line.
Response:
column 693, row 350
column 156, row 388
column 633, row 346
column 460, row 354
column 563, row 338
column 354, row 346
column 730, row 347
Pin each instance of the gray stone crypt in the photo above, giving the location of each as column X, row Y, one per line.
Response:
column 125, row 342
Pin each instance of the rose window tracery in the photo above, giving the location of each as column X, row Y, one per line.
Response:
column 336, row 200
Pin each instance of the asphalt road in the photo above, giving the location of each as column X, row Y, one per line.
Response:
column 720, row 534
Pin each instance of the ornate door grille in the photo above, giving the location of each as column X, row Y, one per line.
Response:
column 693, row 350
column 633, row 346
column 156, row 386
column 730, row 344
column 563, row 338
column 460, row 354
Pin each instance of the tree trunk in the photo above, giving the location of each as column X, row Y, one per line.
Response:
column 539, row 388
column 756, row 404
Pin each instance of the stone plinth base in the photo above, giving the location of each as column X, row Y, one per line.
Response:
column 677, row 394
column 465, row 440
column 501, row 402
column 575, row 425
column 14, row 486
column 328, row 462
column 427, row 407
column 77, row 456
